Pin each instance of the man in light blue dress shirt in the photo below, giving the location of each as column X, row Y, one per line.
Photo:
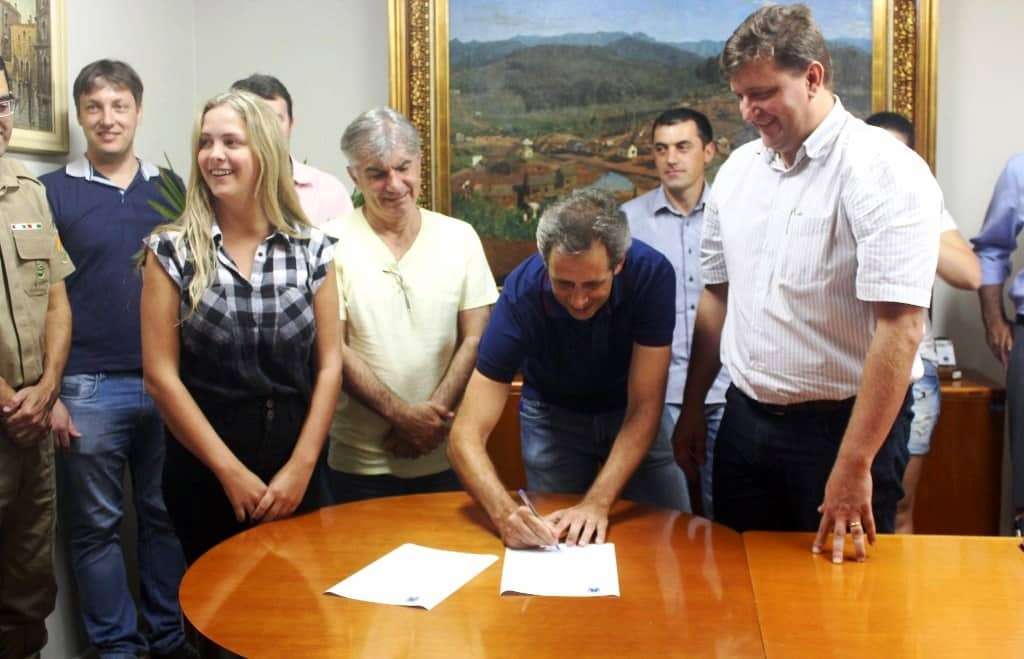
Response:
column 994, row 246
column 670, row 218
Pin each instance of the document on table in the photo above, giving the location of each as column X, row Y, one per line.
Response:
column 412, row 575
column 589, row 571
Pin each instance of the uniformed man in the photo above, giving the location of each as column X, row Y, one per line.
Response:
column 35, row 333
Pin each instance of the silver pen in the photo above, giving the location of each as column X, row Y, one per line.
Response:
column 529, row 504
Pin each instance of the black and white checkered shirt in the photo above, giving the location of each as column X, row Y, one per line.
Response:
column 250, row 338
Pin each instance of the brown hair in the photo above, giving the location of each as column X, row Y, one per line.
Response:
column 785, row 33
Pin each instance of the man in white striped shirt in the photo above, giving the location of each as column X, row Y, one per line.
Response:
column 821, row 241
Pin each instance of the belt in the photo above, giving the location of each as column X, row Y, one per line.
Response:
column 806, row 407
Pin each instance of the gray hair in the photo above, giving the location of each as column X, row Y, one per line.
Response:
column 573, row 223
column 786, row 33
column 377, row 133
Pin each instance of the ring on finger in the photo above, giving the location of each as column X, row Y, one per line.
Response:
column 855, row 527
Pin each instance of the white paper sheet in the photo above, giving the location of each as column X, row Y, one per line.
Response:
column 412, row 575
column 589, row 571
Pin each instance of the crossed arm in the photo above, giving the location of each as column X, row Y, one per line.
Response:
column 418, row 427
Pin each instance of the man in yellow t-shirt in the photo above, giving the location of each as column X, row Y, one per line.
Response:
column 416, row 292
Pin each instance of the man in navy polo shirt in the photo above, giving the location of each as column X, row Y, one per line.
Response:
column 101, row 205
column 589, row 323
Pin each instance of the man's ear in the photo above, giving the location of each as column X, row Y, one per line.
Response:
column 709, row 152
column 815, row 77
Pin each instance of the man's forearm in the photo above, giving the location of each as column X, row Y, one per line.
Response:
column 362, row 384
column 470, row 461
column 449, row 391
column 991, row 298
column 882, row 390
column 467, row 445
column 628, row 451
column 705, row 360
column 57, row 340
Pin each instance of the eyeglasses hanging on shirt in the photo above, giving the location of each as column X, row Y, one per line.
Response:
column 393, row 271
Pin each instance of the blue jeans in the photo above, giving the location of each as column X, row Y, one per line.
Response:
column 712, row 419
column 563, row 451
column 120, row 427
column 927, row 403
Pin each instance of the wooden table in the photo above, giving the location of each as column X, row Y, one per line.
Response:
column 915, row 596
column 685, row 589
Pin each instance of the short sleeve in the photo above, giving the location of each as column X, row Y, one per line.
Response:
column 478, row 289
column 946, row 222
column 502, row 348
column 712, row 256
column 320, row 254
column 164, row 246
column 893, row 208
column 60, row 262
column 655, row 317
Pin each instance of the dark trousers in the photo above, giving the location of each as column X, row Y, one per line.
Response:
column 770, row 468
column 1015, row 405
column 356, row 487
column 262, row 433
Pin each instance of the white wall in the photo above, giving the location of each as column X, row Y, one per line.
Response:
column 331, row 55
column 979, row 102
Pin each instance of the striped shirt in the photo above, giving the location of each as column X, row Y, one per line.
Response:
column 250, row 337
column 807, row 249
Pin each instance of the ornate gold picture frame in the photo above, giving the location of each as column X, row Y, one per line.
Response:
column 35, row 53
column 902, row 62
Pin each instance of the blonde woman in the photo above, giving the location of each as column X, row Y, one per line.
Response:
column 240, row 337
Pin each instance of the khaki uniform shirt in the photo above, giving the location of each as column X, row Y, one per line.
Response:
column 32, row 260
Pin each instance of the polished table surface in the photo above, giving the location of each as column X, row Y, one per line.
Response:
column 915, row 596
column 685, row 589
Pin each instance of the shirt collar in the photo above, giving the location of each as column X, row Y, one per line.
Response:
column 821, row 140
column 660, row 202
column 217, row 236
column 82, row 168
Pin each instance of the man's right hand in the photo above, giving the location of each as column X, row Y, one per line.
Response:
column 688, row 441
column 521, row 529
column 424, row 425
column 999, row 335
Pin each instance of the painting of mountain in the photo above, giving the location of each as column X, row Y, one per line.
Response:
column 550, row 96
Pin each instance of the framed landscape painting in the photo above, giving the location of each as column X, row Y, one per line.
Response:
column 35, row 53
column 521, row 102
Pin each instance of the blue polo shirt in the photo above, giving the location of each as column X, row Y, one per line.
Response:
column 580, row 365
column 102, row 226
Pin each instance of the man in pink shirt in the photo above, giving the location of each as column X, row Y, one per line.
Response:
column 322, row 196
